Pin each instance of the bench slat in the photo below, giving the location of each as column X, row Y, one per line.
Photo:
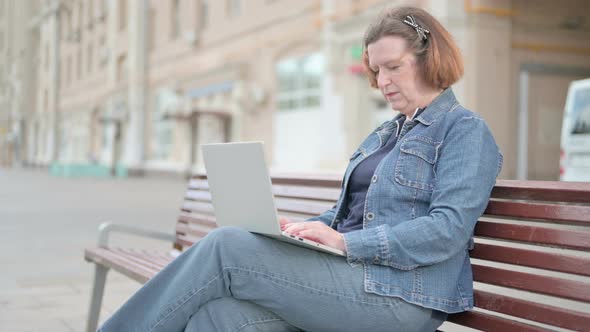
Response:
column 142, row 257
column 201, row 201
column 315, row 193
column 149, row 263
column 322, row 194
column 199, row 192
column 198, row 195
column 187, row 240
column 198, row 207
column 183, row 242
column 564, row 288
column 189, row 229
column 506, row 189
column 486, row 322
column 282, row 204
column 319, row 180
column 532, row 258
column 162, row 259
column 146, row 261
column 119, row 263
column 311, row 180
column 542, row 313
column 310, row 208
column 534, row 234
column 542, row 191
column 197, row 218
column 554, row 212
column 198, row 184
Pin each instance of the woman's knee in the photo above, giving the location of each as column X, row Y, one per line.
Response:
column 210, row 316
column 230, row 314
column 230, row 241
column 226, row 233
column 232, row 237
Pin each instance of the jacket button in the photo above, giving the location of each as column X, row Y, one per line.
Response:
column 374, row 178
column 370, row 216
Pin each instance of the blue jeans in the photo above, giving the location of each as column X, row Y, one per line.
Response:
column 233, row 280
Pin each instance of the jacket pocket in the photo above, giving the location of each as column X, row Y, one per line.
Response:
column 415, row 166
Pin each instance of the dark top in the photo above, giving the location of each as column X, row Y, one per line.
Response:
column 359, row 182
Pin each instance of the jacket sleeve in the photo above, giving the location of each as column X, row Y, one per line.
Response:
column 466, row 170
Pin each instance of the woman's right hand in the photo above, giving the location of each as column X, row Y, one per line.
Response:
column 284, row 221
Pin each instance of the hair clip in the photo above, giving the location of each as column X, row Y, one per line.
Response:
column 420, row 30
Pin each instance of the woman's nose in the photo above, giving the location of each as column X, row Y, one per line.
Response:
column 383, row 81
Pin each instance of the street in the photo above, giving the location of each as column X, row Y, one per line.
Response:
column 45, row 224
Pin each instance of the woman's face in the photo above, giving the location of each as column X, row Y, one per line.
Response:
column 396, row 71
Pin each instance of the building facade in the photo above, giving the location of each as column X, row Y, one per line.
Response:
column 18, row 73
column 136, row 86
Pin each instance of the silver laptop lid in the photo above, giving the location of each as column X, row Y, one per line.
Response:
column 240, row 186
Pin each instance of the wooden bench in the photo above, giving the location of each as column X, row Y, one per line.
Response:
column 531, row 261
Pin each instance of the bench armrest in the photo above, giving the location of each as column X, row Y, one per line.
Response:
column 106, row 228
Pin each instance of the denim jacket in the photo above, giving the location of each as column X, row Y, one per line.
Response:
column 422, row 205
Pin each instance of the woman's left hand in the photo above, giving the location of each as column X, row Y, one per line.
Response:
column 316, row 231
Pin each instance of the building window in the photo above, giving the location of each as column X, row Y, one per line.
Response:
column 62, row 72
column 103, row 52
column 152, row 30
column 67, row 26
column 80, row 14
column 581, row 112
column 69, row 70
column 79, row 63
column 101, row 11
column 89, row 58
column 122, row 15
column 175, row 20
column 122, row 68
column 45, row 101
column 46, row 56
column 162, row 129
column 90, row 13
column 234, row 7
column 300, row 82
column 203, row 14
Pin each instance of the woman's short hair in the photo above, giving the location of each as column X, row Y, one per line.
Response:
column 439, row 60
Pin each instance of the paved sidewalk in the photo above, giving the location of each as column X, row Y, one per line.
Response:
column 45, row 224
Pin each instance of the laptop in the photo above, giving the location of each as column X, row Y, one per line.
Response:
column 241, row 192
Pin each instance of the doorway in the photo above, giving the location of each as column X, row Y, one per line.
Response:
column 542, row 94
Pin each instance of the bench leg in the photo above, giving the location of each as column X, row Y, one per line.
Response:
column 100, row 277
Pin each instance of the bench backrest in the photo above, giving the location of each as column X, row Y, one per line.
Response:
column 297, row 197
column 531, row 260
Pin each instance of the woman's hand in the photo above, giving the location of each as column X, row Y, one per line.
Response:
column 315, row 231
column 284, row 221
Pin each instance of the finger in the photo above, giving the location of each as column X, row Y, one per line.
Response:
column 300, row 226
column 285, row 220
column 310, row 234
column 293, row 227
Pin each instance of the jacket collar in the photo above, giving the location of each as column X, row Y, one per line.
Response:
column 445, row 102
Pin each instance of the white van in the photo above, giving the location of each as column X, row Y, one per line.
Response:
column 575, row 133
